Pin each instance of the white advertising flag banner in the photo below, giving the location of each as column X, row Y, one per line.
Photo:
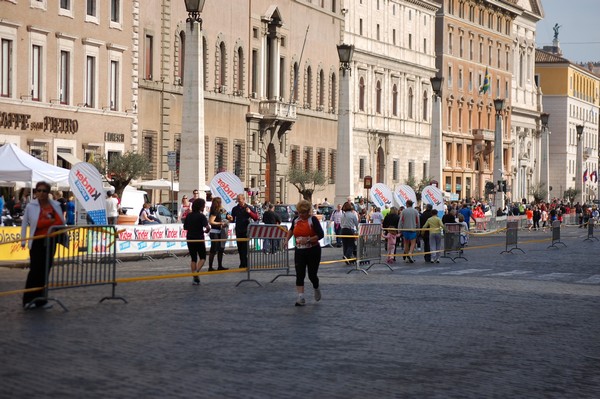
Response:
column 86, row 185
column 381, row 195
column 404, row 193
column 434, row 196
column 227, row 186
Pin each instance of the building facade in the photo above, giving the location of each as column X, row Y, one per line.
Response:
column 571, row 95
column 65, row 92
column 394, row 59
column 526, row 104
column 270, row 88
column 474, row 39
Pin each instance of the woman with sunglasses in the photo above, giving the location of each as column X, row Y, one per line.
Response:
column 307, row 232
column 184, row 209
column 40, row 214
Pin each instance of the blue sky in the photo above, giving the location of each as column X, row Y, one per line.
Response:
column 579, row 34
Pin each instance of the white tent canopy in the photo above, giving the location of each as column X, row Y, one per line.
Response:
column 18, row 166
column 158, row 184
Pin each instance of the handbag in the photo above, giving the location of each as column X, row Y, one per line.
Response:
column 63, row 238
column 224, row 231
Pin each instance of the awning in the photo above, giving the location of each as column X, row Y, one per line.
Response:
column 70, row 158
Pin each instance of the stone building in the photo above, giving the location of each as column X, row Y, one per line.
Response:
column 394, row 59
column 474, row 38
column 270, row 88
column 525, row 165
column 65, row 91
column 571, row 95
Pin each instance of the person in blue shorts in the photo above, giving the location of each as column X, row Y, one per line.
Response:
column 408, row 224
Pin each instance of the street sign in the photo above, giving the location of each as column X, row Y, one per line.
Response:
column 172, row 160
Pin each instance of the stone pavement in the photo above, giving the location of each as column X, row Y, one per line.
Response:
column 495, row 326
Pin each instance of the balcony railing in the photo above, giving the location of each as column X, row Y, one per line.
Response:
column 277, row 109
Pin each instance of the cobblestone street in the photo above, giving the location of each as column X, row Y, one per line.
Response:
column 495, row 326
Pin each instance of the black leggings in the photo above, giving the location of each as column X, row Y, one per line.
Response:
column 37, row 269
column 218, row 246
column 196, row 250
column 307, row 258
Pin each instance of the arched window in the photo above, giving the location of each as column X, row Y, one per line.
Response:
column 308, row 87
column 321, row 90
column 333, row 92
column 425, row 105
column 240, row 72
column 222, row 67
column 378, row 97
column 181, row 66
column 395, row 100
column 410, row 103
column 361, row 94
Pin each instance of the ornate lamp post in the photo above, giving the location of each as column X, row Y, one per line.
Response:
column 579, row 166
column 344, row 186
column 192, row 172
column 435, row 147
column 498, row 153
column 545, row 155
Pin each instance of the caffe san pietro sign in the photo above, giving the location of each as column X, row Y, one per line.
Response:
column 11, row 120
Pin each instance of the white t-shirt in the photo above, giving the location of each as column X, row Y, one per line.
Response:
column 112, row 207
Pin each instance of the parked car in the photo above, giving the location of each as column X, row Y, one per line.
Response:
column 172, row 206
column 326, row 211
column 164, row 214
column 286, row 211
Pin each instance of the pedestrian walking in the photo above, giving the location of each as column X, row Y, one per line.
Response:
column 336, row 218
column 196, row 226
column 409, row 222
column 349, row 224
column 436, row 226
column 307, row 232
column 270, row 217
column 40, row 214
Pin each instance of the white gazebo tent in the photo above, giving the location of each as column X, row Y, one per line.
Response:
column 18, row 166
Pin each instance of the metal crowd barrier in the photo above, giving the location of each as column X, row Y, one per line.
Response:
column 85, row 256
column 368, row 249
column 590, row 230
column 452, row 242
column 512, row 236
column 274, row 254
column 496, row 223
column 556, row 235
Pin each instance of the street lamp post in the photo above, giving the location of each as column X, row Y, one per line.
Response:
column 498, row 153
column 545, row 155
column 344, row 186
column 579, row 165
column 435, row 147
column 192, row 171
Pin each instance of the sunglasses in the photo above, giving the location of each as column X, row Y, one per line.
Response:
column 195, row 192
column 39, row 190
column 184, row 198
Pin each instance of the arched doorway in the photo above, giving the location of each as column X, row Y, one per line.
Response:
column 380, row 165
column 271, row 174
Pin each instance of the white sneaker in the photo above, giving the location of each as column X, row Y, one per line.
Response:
column 300, row 301
column 317, row 294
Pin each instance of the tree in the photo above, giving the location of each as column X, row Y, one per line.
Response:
column 418, row 186
column 538, row 192
column 571, row 194
column 307, row 182
column 121, row 169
